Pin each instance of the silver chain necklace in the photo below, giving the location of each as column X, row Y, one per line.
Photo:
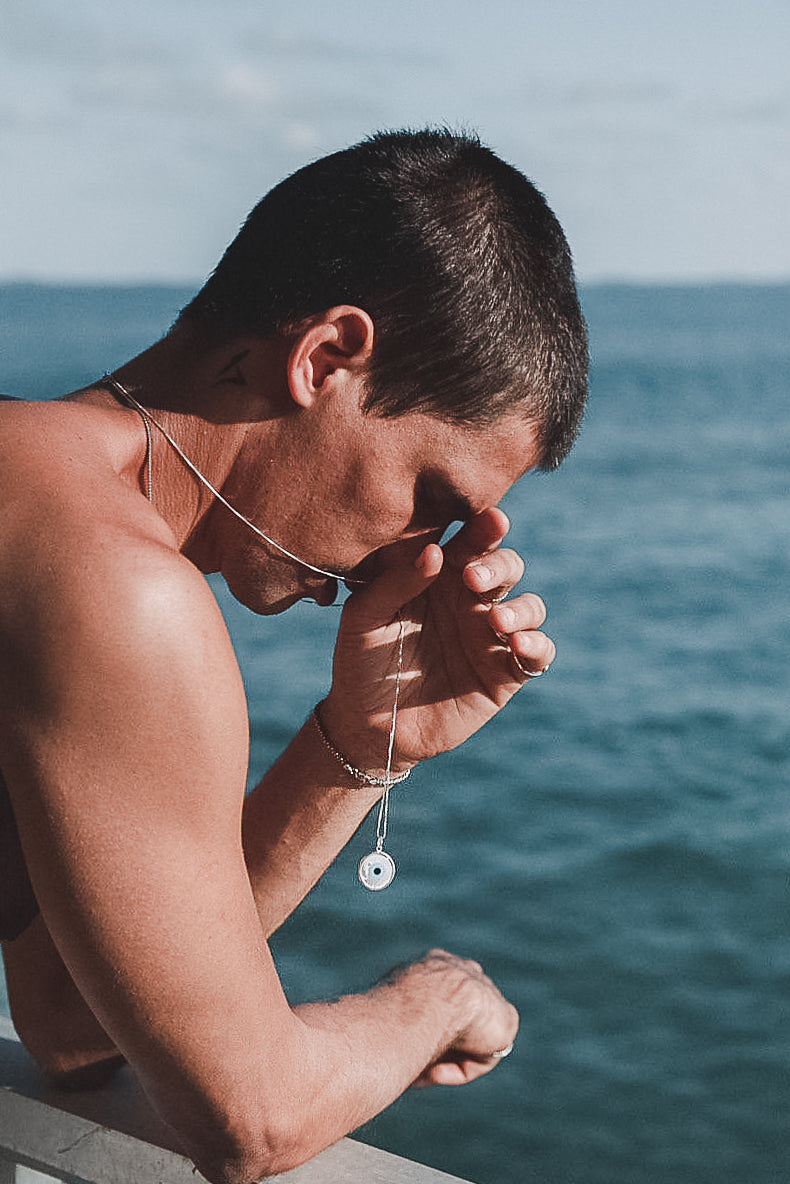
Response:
column 148, row 419
column 376, row 870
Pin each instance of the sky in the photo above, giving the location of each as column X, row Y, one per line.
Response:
column 135, row 135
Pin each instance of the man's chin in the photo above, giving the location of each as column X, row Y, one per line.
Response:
column 268, row 603
column 323, row 593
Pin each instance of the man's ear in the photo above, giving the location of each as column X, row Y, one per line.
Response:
column 329, row 348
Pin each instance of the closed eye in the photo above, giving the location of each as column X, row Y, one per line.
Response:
column 437, row 504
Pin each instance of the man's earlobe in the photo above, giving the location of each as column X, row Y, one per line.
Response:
column 329, row 347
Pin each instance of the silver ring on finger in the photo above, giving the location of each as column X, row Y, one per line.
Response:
column 501, row 1053
column 523, row 669
column 489, row 601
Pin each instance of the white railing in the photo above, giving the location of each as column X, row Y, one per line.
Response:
column 112, row 1136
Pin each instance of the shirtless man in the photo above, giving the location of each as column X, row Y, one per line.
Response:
column 391, row 341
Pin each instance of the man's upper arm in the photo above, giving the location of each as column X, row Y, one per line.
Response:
column 126, row 757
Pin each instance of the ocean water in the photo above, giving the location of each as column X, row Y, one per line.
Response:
column 615, row 847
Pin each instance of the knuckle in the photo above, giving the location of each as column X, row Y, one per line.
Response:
column 532, row 644
column 509, row 564
column 542, row 646
column 537, row 607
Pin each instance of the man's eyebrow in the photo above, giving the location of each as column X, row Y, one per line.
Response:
column 462, row 505
column 438, row 494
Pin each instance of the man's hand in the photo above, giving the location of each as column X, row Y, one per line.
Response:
column 467, row 649
column 490, row 1023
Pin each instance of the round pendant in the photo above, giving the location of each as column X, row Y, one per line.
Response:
column 376, row 871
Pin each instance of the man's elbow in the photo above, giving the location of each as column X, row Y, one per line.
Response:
column 246, row 1168
column 66, row 1060
column 248, row 1152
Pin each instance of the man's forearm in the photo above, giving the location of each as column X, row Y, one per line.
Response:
column 383, row 1039
column 301, row 814
column 439, row 1020
column 334, row 1068
column 52, row 1019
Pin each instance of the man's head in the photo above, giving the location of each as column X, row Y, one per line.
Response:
column 455, row 256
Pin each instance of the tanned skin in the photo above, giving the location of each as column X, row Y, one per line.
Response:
column 124, row 725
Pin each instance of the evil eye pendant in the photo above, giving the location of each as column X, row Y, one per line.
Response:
column 376, row 871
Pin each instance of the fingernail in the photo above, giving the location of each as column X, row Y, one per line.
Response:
column 506, row 617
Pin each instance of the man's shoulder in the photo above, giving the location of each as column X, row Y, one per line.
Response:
column 88, row 566
column 94, row 578
column 107, row 633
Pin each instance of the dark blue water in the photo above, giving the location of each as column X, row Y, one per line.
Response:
column 615, row 848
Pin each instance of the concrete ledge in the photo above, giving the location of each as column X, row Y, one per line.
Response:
column 113, row 1136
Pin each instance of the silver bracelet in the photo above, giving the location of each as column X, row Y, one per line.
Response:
column 359, row 774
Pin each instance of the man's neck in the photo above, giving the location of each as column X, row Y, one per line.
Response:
column 210, row 403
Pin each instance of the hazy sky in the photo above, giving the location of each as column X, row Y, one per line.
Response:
column 136, row 134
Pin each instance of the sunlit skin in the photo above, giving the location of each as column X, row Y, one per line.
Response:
column 124, row 729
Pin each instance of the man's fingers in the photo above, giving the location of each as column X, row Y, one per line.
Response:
column 454, row 1072
column 532, row 653
column 481, row 534
column 522, row 613
column 494, row 575
column 396, row 586
column 517, row 625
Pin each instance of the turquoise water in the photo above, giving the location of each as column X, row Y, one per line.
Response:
column 614, row 848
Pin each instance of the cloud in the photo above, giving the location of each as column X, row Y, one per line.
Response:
column 603, row 93
column 50, row 38
column 200, row 87
column 160, row 122
column 767, row 111
column 290, row 44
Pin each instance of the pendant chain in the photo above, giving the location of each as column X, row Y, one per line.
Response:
column 382, row 821
column 149, row 419
column 377, row 869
